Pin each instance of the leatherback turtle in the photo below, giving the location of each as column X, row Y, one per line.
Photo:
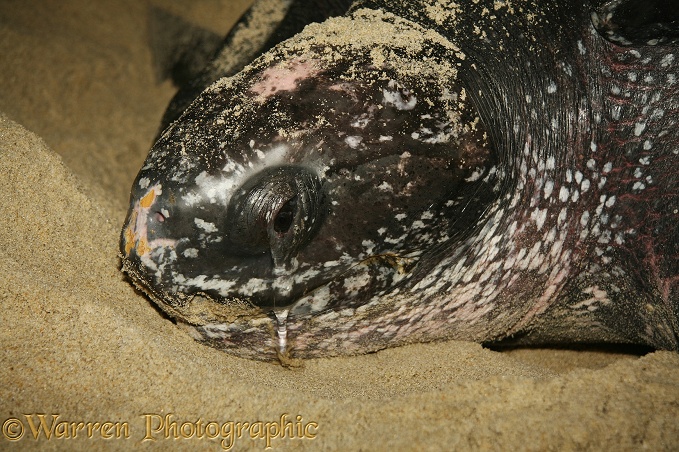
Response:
column 487, row 170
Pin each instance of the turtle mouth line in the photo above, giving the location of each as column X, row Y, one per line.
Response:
column 316, row 299
column 197, row 308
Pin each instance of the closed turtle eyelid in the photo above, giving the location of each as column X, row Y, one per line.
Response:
column 276, row 210
column 285, row 216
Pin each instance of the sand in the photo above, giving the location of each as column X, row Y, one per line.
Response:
column 80, row 108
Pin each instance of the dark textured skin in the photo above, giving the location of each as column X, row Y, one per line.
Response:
column 298, row 13
column 547, row 213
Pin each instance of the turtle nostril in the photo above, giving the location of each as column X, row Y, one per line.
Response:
column 160, row 217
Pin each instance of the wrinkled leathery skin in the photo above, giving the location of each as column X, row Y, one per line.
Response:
column 502, row 172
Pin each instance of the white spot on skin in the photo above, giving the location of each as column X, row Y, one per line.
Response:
column 384, row 186
column 354, row 284
column 551, row 235
column 476, row 175
column 667, row 60
column 638, row 186
column 563, row 214
column 203, row 283
column 563, row 194
column 550, row 164
column 369, row 246
column 585, row 185
column 191, row 198
column 215, row 188
column 204, row 225
column 584, row 219
column 360, row 123
column 639, row 128
column 253, row 286
column 353, row 141
column 551, row 89
column 598, row 298
column 600, row 207
column 657, row 113
column 190, row 252
column 144, row 182
column 395, row 98
column 604, row 237
column 396, row 240
column 549, row 186
column 539, row 216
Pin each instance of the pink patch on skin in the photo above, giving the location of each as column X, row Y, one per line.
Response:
column 283, row 77
column 345, row 87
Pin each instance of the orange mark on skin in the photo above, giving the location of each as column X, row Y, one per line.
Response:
column 147, row 200
column 283, row 77
column 129, row 240
column 142, row 247
column 129, row 232
column 136, row 232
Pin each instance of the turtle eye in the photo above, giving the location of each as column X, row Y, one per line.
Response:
column 285, row 216
column 277, row 210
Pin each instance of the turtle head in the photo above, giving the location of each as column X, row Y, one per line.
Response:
column 311, row 180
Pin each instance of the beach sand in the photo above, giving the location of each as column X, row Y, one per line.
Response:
column 81, row 106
